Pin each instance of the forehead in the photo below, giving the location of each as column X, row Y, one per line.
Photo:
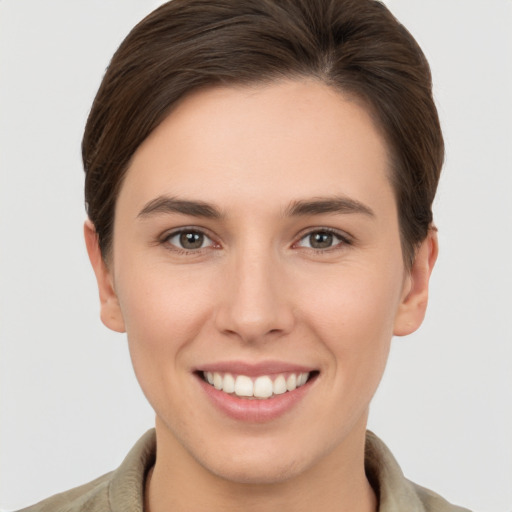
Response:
column 288, row 139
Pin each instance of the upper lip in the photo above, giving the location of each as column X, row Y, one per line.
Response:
column 252, row 369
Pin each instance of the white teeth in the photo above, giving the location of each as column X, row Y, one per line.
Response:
column 280, row 385
column 229, row 383
column 244, row 386
column 217, row 380
column 261, row 387
column 291, row 382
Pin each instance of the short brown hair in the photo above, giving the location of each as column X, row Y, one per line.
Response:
column 354, row 46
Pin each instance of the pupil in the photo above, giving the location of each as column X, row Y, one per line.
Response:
column 191, row 240
column 321, row 240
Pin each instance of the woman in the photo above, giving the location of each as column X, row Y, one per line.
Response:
column 259, row 182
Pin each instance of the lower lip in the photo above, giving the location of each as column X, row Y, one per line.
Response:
column 255, row 410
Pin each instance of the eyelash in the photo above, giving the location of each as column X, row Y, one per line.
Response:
column 166, row 240
column 342, row 240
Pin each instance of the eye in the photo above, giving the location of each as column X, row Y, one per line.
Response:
column 189, row 240
column 322, row 239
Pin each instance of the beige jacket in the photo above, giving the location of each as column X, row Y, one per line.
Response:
column 122, row 490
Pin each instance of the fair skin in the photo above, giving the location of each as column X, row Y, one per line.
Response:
column 293, row 267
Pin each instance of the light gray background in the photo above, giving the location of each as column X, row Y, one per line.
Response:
column 70, row 405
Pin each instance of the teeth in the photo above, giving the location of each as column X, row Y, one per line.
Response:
column 291, row 382
column 243, row 386
column 228, row 384
column 280, row 385
column 217, row 381
column 261, row 387
column 302, row 379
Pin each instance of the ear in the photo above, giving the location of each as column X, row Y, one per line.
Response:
column 413, row 304
column 110, row 314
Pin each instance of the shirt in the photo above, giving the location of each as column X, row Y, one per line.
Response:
column 122, row 490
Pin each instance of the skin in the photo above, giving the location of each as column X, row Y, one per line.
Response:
column 257, row 291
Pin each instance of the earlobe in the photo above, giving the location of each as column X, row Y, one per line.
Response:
column 111, row 314
column 413, row 304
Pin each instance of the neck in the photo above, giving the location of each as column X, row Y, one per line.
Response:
column 337, row 483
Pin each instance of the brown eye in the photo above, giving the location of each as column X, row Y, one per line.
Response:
column 322, row 239
column 189, row 240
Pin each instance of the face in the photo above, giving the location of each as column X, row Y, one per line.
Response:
column 257, row 270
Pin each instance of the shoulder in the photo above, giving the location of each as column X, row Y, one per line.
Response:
column 90, row 497
column 395, row 492
column 122, row 489
column 432, row 502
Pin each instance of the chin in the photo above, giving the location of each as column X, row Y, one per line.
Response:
column 260, row 461
column 257, row 472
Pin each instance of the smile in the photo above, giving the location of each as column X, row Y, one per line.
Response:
column 261, row 387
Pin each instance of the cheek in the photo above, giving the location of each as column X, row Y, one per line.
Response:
column 164, row 311
column 354, row 315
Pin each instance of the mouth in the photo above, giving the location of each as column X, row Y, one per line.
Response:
column 261, row 387
column 256, row 393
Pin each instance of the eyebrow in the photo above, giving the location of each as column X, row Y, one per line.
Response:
column 345, row 205
column 323, row 205
column 165, row 204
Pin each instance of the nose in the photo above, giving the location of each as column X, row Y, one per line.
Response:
column 254, row 305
